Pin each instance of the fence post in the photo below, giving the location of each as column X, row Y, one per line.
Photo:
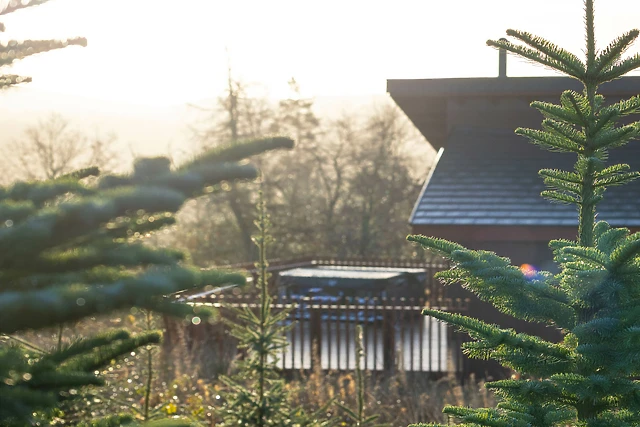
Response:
column 388, row 341
column 315, row 332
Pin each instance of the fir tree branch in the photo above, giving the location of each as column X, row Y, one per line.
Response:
column 485, row 417
column 81, row 173
column 550, row 51
column 557, row 112
column 188, row 181
column 237, row 151
column 95, row 360
column 624, row 107
column 619, row 179
column 535, row 392
column 539, row 57
column 550, row 141
column 8, row 80
column 588, row 254
column 562, row 187
column 494, row 280
column 561, row 175
column 39, row 193
column 611, row 239
column 12, row 6
column 71, row 303
column 612, row 53
column 615, row 137
column 82, row 346
column 625, row 252
column 61, row 380
column 15, row 50
column 109, row 255
column 493, row 336
column 565, row 131
column 620, row 69
column 606, row 120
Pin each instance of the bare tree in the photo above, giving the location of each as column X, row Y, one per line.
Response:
column 332, row 172
column 382, row 188
column 52, row 148
column 346, row 189
column 236, row 116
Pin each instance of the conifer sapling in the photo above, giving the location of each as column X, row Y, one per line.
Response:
column 256, row 395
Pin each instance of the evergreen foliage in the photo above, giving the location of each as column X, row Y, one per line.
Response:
column 67, row 260
column 590, row 378
column 357, row 415
column 71, row 250
column 256, row 395
column 14, row 50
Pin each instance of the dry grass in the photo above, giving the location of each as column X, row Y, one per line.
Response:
column 186, row 370
column 398, row 402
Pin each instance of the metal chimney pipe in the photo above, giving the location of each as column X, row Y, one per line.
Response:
column 502, row 61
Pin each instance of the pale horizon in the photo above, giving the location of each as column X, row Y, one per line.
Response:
column 152, row 52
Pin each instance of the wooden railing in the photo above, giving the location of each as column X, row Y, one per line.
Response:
column 396, row 334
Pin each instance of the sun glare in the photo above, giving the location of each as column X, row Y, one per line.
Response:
column 163, row 52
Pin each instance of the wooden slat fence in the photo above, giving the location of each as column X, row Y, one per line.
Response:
column 396, row 335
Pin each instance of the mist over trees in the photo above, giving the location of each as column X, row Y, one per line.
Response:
column 346, row 190
column 52, row 147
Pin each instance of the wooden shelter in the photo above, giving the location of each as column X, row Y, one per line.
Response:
column 484, row 190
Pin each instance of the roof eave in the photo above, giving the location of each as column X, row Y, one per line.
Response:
column 501, row 86
column 425, row 185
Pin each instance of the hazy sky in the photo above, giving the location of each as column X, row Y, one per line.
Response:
column 161, row 52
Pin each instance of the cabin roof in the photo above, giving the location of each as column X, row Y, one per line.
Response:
column 424, row 101
column 490, row 177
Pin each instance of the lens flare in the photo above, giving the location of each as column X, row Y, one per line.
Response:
column 529, row 271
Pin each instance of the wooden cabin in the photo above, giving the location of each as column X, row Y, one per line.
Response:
column 484, row 190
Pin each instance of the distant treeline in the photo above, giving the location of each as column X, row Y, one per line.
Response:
column 346, row 189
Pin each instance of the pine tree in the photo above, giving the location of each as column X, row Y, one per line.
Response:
column 71, row 250
column 590, row 378
column 256, row 395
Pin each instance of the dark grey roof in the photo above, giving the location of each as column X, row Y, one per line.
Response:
column 490, row 177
